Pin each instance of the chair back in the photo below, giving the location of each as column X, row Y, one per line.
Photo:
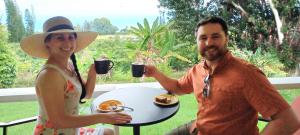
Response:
column 296, row 107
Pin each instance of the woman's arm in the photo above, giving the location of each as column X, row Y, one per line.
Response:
column 91, row 81
column 75, row 121
column 51, row 85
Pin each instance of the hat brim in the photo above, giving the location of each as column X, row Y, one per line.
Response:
column 34, row 45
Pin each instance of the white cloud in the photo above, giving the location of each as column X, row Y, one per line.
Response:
column 91, row 7
column 122, row 13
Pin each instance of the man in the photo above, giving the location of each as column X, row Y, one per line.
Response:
column 230, row 92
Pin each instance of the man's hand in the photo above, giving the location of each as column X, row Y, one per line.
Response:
column 150, row 71
column 169, row 84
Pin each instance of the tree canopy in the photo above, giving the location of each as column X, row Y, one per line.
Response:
column 253, row 24
column 29, row 21
column 14, row 21
column 102, row 26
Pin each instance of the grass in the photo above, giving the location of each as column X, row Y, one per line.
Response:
column 187, row 112
column 18, row 110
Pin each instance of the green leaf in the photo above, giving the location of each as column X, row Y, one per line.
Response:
column 173, row 54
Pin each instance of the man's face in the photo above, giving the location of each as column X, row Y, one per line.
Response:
column 211, row 41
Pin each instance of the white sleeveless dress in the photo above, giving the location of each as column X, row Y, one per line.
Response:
column 72, row 94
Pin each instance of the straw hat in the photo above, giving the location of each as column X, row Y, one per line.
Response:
column 34, row 45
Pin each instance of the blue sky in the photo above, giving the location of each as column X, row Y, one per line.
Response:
column 121, row 13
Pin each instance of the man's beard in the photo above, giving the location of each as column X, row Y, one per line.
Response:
column 212, row 52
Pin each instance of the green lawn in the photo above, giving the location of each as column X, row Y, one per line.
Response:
column 188, row 108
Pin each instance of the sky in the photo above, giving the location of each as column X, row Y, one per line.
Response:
column 121, row 13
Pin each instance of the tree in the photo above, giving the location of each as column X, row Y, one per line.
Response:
column 77, row 27
column 14, row 21
column 251, row 22
column 157, row 42
column 125, row 30
column 29, row 21
column 185, row 15
column 275, row 26
column 86, row 26
column 103, row 26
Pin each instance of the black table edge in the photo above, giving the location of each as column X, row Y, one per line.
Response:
column 150, row 123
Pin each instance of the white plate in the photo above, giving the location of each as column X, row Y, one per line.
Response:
column 110, row 106
column 173, row 100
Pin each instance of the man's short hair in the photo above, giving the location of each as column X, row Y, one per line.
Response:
column 212, row 19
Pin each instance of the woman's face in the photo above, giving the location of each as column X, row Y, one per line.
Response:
column 61, row 44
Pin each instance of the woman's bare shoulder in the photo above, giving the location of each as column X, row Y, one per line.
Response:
column 50, row 77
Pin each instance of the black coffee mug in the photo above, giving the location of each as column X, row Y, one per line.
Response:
column 137, row 69
column 103, row 66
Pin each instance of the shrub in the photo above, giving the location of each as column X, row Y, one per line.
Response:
column 27, row 66
column 287, row 55
column 7, row 61
column 268, row 62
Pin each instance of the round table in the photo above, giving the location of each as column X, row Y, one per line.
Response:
column 141, row 100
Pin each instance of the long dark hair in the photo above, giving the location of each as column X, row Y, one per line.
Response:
column 83, row 93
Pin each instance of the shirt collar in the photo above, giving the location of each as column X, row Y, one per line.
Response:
column 222, row 63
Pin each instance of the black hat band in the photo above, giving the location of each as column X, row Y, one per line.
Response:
column 59, row 27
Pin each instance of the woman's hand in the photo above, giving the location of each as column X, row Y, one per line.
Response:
column 116, row 118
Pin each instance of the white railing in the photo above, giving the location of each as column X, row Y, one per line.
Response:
column 28, row 94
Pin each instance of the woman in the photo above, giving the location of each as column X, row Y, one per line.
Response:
column 59, row 86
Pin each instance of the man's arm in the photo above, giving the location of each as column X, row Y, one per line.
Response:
column 283, row 123
column 263, row 96
column 168, row 83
